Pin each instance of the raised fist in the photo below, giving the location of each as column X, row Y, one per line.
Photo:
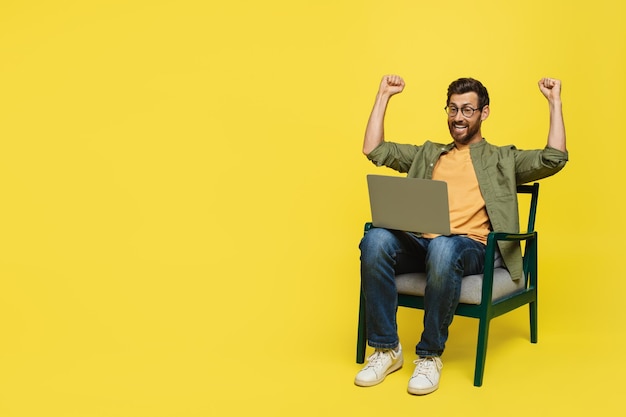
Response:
column 391, row 84
column 550, row 88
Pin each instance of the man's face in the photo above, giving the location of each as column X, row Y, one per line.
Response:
column 466, row 130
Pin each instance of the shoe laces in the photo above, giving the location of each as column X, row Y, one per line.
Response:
column 377, row 358
column 425, row 366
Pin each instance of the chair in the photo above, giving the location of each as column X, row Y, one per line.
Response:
column 483, row 297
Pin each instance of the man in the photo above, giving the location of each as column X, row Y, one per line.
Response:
column 482, row 180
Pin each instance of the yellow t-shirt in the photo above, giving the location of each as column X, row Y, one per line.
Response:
column 468, row 215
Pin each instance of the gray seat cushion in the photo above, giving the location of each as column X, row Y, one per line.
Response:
column 471, row 287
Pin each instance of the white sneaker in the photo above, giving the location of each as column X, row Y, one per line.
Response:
column 379, row 364
column 425, row 378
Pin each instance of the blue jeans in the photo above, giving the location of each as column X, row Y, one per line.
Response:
column 445, row 259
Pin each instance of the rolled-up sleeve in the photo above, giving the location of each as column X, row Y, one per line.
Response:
column 394, row 155
column 537, row 164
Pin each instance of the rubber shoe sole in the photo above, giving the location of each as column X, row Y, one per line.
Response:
column 422, row 391
column 391, row 369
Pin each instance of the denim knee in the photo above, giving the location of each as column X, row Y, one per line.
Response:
column 455, row 255
column 377, row 243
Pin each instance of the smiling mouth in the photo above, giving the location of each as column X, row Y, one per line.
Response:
column 459, row 127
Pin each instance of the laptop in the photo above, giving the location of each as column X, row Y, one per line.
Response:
column 409, row 204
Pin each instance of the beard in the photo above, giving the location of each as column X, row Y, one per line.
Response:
column 465, row 136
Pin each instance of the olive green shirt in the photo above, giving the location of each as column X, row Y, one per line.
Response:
column 499, row 170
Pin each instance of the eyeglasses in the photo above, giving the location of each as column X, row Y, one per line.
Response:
column 466, row 111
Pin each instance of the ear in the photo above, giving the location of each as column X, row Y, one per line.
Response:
column 485, row 113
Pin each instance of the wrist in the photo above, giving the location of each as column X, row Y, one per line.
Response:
column 383, row 95
column 555, row 103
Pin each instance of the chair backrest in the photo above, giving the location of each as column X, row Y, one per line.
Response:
column 533, row 191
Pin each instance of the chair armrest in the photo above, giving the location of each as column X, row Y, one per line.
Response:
column 511, row 236
column 492, row 240
column 494, row 237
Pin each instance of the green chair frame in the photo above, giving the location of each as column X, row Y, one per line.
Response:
column 488, row 308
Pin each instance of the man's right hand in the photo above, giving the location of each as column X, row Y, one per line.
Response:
column 375, row 131
column 390, row 85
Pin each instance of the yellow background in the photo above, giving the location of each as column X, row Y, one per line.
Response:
column 183, row 194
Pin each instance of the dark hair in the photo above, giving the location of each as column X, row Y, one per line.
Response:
column 467, row 85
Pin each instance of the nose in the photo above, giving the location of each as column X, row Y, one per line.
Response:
column 458, row 116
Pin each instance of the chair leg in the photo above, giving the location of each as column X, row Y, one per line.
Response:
column 481, row 351
column 361, row 337
column 533, row 322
